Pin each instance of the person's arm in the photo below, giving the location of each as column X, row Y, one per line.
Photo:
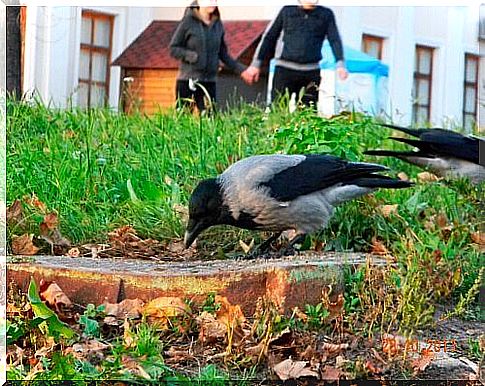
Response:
column 333, row 37
column 225, row 58
column 335, row 41
column 266, row 48
column 267, row 45
column 178, row 50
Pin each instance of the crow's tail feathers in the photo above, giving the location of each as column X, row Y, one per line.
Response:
column 378, row 181
column 413, row 132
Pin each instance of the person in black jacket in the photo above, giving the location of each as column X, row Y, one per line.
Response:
column 305, row 28
column 198, row 42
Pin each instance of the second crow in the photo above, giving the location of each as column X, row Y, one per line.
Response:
column 445, row 152
column 282, row 192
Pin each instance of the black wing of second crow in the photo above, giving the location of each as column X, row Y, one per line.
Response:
column 315, row 173
column 441, row 142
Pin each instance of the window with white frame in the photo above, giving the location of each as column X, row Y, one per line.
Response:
column 94, row 60
column 470, row 95
column 423, row 78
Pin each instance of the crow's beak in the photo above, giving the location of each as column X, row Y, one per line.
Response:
column 193, row 230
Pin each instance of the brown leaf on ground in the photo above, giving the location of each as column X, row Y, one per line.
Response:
column 246, row 248
column 128, row 308
column 128, row 336
column 335, row 308
column 478, row 237
column 403, row 176
column 231, row 316
column 423, row 361
column 378, row 248
column 371, row 368
column 427, row 177
column 35, row 202
column 176, row 356
column 134, row 367
column 387, row 210
column 210, row 329
column 333, row 349
column 330, row 373
column 47, row 348
column 15, row 213
column 89, row 348
column 50, row 222
column 442, row 221
column 290, row 369
column 55, row 296
column 163, row 308
column 124, row 234
column 23, row 245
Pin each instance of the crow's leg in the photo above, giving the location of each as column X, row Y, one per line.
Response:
column 290, row 249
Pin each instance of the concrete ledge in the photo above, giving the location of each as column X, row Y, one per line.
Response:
column 291, row 281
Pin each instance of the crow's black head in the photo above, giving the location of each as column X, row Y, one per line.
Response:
column 205, row 209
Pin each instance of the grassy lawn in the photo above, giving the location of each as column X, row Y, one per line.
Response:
column 100, row 170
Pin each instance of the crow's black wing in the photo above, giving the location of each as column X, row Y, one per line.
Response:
column 315, row 173
column 441, row 142
column 452, row 144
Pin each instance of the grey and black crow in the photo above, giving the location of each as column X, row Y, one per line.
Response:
column 282, row 192
column 444, row 152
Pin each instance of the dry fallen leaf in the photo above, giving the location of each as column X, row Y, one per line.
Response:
column 89, row 347
column 231, row 315
column 176, row 356
column 387, row 210
column 128, row 308
column 210, row 329
column 427, row 177
column 246, row 248
column 55, row 296
column 35, row 202
column 163, row 308
column 371, row 368
column 330, row 373
column 15, row 213
column 134, row 367
column 51, row 221
column 290, row 369
column 23, row 245
column 378, row 248
column 478, row 237
column 402, row 176
column 128, row 336
column 334, row 349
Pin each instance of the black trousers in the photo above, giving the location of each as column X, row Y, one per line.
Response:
column 295, row 80
column 186, row 96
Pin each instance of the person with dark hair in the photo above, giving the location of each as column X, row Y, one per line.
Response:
column 305, row 28
column 198, row 42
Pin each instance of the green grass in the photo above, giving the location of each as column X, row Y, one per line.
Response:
column 99, row 170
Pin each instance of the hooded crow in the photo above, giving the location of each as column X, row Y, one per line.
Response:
column 282, row 192
column 445, row 152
